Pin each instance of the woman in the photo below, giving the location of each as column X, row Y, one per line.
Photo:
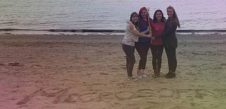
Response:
column 143, row 44
column 170, row 40
column 158, row 25
column 128, row 42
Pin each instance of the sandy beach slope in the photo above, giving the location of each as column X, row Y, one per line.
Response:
column 88, row 72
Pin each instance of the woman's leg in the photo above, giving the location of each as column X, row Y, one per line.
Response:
column 159, row 57
column 130, row 58
column 154, row 57
column 172, row 62
column 142, row 50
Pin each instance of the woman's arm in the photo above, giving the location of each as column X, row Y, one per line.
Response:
column 170, row 28
column 133, row 29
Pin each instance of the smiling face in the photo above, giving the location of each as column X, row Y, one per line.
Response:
column 158, row 16
column 170, row 12
column 134, row 18
column 144, row 13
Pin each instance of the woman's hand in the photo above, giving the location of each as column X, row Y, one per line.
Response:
column 153, row 38
column 147, row 35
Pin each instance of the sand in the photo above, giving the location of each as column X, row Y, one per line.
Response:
column 88, row 72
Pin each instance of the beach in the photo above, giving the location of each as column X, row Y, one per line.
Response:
column 89, row 72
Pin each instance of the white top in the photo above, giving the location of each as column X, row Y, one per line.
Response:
column 129, row 38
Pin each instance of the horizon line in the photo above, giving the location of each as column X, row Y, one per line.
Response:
column 105, row 30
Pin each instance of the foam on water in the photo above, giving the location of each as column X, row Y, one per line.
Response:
column 105, row 14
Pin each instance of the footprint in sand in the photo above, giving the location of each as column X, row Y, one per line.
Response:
column 166, row 93
column 51, row 92
column 202, row 93
column 28, row 97
column 145, row 93
column 123, row 85
column 61, row 95
column 15, row 64
column 124, row 95
column 220, row 93
column 72, row 98
column 223, row 64
column 184, row 93
column 89, row 97
column 96, row 86
column 106, row 96
column 102, row 73
column 84, row 60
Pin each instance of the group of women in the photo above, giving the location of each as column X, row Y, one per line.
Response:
column 144, row 33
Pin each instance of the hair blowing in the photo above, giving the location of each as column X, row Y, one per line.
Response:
column 131, row 15
column 174, row 15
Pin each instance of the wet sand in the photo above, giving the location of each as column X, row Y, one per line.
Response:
column 88, row 72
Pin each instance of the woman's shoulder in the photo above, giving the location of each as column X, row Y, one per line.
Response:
column 128, row 21
column 130, row 24
column 172, row 20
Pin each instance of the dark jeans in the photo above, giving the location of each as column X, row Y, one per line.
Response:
column 130, row 58
column 142, row 50
column 156, row 57
column 171, row 56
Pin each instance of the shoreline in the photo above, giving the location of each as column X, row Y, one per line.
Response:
column 94, row 31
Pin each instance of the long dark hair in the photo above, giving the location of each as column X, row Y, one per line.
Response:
column 163, row 19
column 135, row 23
column 174, row 15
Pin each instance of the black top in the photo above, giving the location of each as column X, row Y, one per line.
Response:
column 169, row 34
